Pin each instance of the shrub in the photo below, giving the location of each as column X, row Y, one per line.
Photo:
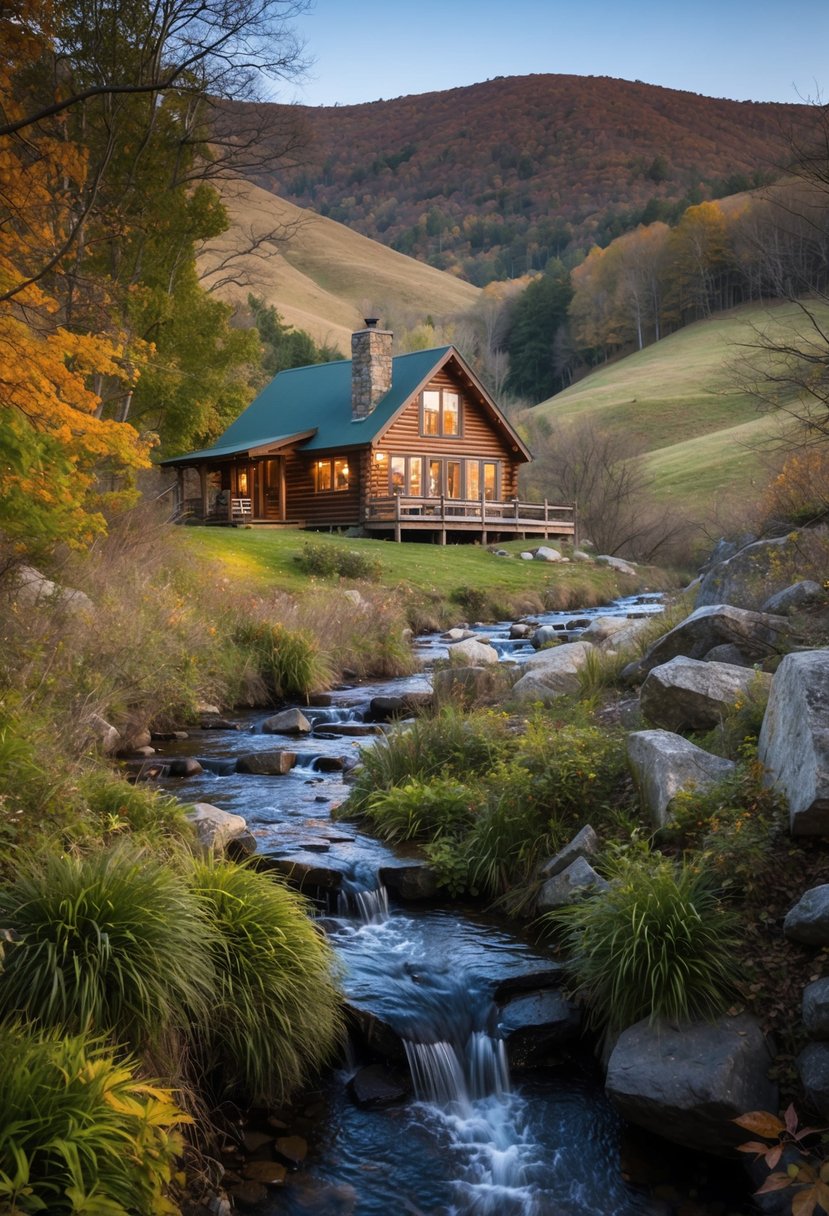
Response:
column 328, row 561
column 451, row 744
column 657, row 944
column 275, row 1007
column 80, row 1133
column 118, row 806
column 112, row 942
column 422, row 810
column 578, row 770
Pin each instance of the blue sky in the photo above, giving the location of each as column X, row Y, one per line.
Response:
column 760, row 50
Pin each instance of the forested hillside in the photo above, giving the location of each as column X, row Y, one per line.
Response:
column 492, row 180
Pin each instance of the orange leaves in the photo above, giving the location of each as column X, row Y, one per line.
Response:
column 805, row 1173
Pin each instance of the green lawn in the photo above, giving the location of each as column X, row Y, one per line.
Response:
column 432, row 571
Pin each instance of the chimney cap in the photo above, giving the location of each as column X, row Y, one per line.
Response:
column 370, row 322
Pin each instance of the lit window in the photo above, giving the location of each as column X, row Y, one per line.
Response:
column 473, row 479
column 398, row 474
column 453, row 478
column 415, row 476
column 434, row 478
column 440, row 413
column 490, row 481
column 330, row 475
column 340, row 474
column 431, row 412
column 451, row 413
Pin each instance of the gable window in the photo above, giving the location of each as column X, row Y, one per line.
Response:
column 440, row 412
column 332, row 474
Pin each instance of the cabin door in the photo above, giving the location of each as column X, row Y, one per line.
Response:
column 272, row 472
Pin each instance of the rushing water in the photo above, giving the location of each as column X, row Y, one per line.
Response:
column 469, row 1141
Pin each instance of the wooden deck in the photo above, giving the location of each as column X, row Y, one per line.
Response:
column 402, row 514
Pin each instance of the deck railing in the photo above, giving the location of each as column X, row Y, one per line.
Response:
column 508, row 515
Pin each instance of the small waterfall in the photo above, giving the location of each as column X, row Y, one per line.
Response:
column 368, row 907
column 448, row 1075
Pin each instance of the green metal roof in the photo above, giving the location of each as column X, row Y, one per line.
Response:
column 319, row 396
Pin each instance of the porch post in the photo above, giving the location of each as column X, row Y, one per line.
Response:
column 283, row 493
column 442, row 520
column 483, row 516
column 203, row 489
column 546, row 520
column 397, row 530
column 575, row 525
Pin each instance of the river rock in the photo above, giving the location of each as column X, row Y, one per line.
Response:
column 552, row 673
column 269, row 1173
column 755, row 572
column 458, row 634
column 685, row 694
column 107, row 738
column 615, row 632
column 688, row 1083
column 375, row 1034
column 808, row 920
column 288, row 722
column 534, row 1023
column 663, row 763
column 304, row 872
column 413, row 881
column 546, row 553
column 794, row 739
column 519, row 630
column 214, row 828
column 386, row 709
column 266, row 763
column 248, row 1194
column 804, row 594
column 755, row 634
column 576, row 882
column 727, row 652
column 546, row 635
column 616, row 563
column 348, row 730
column 815, row 1010
column 375, row 1087
column 293, row 1149
column 468, row 684
column 584, row 844
column 813, row 1066
column 182, row 766
column 472, row 653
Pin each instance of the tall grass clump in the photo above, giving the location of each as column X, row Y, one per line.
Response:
column 657, row 944
column 80, row 1132
column 422, row 810
column 290, row 662
column 275, row 1008
column 450, row 744
column 113, row 941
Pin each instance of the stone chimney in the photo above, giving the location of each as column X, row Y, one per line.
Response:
column 370, row 367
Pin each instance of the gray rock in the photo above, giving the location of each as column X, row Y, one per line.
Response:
column 36, row 590
column 214, row 828
column 584, row 844
column 348, row 730
column 472, row 653
column 288, row 722
column 535, row 1022
column 616, row 632
column 546, row 553
column 756, row 634
column 813, row 1066
column 800, row 595
column 375, row 1087
column 413, row 881
column 687, row 1083
column 107, row 738
column 304, row 871
column 685, row 694
column 579, row 555
column 663, row 763
column 794, row 739
column 356, row 600
column 616, row 563
column 538, row 979
column 374, row 1033
column 520, row 630
column 727, row 652
column 815, row 1014
column 526, row 556
column 576, row 882
column 458, row 634
column 266, row 763
column 808, row 920
column 754, row 573
column 467, row 684
column 183, row 766
column 552, row 673
column 546, row 635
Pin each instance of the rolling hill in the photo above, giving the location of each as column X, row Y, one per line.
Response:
column 321, row 276
column 705, row 438
column 494, row 179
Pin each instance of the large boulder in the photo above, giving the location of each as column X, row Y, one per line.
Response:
column 214, row 828
column 472, row 653
column 813, row 1066
column 287, row 722
column 36, row 590
column 552, row 673
column 803, row 594
column 467, row 684
column 688, row 1083
column 808, row 920
column 755, row 634
column 686, row 694
column 615, row 632
column 760, row 569
column 266, row 763
column 616, row 563
column 546, row 553
column 663, row 764
column 794, row 739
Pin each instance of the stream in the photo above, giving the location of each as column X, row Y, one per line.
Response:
column 469, row 1139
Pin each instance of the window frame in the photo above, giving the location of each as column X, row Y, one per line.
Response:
column 440, row 414
column 330, row 463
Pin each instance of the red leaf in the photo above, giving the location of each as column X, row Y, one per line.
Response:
column 773, row 1156
column 763, row 1123
column 790, row 1116
column 803, row 1203
column 774, row 1182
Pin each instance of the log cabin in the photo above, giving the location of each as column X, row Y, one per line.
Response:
column 411, row 447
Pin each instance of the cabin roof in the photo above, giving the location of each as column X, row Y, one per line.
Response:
column 311, row 406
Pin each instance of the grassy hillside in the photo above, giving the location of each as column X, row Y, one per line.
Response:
column 321, row 276
column 682, row 398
